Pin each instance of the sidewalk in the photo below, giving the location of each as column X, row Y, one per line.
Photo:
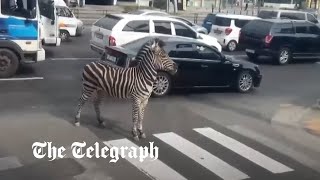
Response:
column 312, row 121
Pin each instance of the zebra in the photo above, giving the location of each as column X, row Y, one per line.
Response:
column 133, row 83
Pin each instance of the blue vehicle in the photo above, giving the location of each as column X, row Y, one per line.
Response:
column 208, row 21
column 22, row 33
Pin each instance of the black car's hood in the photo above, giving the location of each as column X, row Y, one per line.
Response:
column 244, row 63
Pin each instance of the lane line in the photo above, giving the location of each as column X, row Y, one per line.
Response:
column 9, row 163
column 276, row 145
column 243, row 150
column 201, row 156
column 22, row 79
column 72, row 59
column 155, row 169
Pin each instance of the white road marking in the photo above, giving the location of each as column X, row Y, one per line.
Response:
column 72, row 59
column 9, row 163
column 201, row 156
column 243, row 150
column 155, row 169
column 276, row 145
column 22, row 79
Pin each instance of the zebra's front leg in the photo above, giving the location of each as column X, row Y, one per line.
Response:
column 141, row 116
column 135, row 117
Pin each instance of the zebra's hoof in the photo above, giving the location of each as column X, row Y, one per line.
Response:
column 143, row 135
column 77, row 124
column 136, row 138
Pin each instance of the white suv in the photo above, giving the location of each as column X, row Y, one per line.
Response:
column 226, row 29
column 118, row 29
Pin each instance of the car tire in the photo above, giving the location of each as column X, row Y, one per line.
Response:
column 284, row 56
column 232, row 46
column 244, row 82
column 64, row 35
column 162, row 85
column 9, row 63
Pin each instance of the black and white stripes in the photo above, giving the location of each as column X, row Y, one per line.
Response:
column 135, row 83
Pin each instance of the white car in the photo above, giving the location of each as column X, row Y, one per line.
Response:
column 150, row 12
column 118, row 29
column 226, row 29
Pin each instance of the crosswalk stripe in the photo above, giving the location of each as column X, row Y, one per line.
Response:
column 201, row 156
column 243, row 150
column 155, row 169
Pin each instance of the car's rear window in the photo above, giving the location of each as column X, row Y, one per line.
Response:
column 267, row 14
column 258, row 26
column 108, row 22
column 210, row 18
column 137, row 44
column 222, row 21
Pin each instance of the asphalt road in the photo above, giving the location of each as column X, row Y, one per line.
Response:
column 242, row 142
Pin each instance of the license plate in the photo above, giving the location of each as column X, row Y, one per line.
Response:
column 111, row 58
column 250, row 51
column 217, row 31
column 99, row 36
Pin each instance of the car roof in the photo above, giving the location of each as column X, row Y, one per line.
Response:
column 234, row 16
column 284, row 10
column 281, row 20
column 139, row 17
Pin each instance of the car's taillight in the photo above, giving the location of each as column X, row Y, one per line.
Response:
column 112, row 41
column 268, row 39
column 228, row 31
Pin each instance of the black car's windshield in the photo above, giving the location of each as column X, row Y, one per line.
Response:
column 137, row 44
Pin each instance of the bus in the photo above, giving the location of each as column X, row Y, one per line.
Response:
column 24, row 31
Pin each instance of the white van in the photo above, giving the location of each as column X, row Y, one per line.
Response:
column 69, row 25
column 226, row 29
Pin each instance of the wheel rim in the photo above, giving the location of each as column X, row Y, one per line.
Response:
column 4, row 63
column 245, row 82
column 63, row 36
column 232, row 46
column 161, row 85
column 284, row 56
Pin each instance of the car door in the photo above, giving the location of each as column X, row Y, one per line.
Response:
column 304, row 40
column 191, row 71
column 217, row 72
column 314, row 32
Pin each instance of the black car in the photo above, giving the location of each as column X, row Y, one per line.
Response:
column 199, row 66
column 282, row 39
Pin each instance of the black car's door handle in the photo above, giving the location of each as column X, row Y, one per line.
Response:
column 204, row 66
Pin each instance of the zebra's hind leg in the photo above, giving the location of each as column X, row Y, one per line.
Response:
column 135, row 117
column 141, row 116
column 96, row 103
column 84, row 98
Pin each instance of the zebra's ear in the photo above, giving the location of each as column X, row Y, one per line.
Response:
column 154, row 44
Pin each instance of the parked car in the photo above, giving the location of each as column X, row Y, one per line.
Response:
column 118, row 29
column 282, row 39
column 148, row 12
column 288, row 14
column 208, row 21
column 200, row 66
column 226, row 28
column 69, row 25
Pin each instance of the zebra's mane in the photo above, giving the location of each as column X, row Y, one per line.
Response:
column 147, row 46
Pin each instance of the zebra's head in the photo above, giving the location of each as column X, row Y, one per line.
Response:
column 161, row 60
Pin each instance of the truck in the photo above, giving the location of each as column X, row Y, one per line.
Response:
column 25, row 26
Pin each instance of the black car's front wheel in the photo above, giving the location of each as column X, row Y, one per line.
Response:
column 244, row 82
column 162, row 85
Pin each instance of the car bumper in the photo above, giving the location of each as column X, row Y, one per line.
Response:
column 257, row 80
column 261, row 51
column 96, row 49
